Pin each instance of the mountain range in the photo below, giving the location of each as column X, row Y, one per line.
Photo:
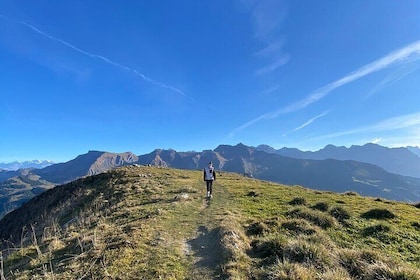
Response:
column 332, row 170
column 404, row 161
column 15, row 165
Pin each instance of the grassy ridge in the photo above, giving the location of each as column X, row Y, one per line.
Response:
column 151, row 223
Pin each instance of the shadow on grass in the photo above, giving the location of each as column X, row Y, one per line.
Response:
column 206, row 251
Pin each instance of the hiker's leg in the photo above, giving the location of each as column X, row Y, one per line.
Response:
column 210, row 187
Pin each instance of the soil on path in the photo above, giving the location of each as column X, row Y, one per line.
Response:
column 204, row 248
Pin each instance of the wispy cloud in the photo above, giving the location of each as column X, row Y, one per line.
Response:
column 95, row 56
column 406, row 54
column 267, row 17
column 278, row 62
column 395, row 123
column 269, row 90
column 394, row 77
column 376, row 140
column 308, row 122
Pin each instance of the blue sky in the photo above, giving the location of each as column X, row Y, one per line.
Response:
column 190, row 75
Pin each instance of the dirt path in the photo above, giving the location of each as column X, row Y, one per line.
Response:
column 205, row 246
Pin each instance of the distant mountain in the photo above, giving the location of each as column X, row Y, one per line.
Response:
column 403, row 161
column 92, row 163
column 6, row 174
column 17, row 187
column 15, row 165
column 333, row 175
column 414, row 150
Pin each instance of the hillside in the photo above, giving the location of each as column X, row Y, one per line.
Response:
column 154, row 223
column 91, row 163
column 17, row 187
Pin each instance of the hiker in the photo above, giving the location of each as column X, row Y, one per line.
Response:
column 209, row 176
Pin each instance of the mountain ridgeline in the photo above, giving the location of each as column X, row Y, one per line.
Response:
column 404, row 161
column 328, row 174
column 332, row 168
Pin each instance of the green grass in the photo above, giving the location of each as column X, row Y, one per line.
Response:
column 155, row 223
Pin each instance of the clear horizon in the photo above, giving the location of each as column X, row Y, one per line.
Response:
column 137, row 76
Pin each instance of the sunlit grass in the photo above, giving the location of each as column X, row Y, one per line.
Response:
column 155, row 223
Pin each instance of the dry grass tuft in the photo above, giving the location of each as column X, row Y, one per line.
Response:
column 318, row 218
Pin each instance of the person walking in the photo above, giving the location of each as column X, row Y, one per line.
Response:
column 209, row 176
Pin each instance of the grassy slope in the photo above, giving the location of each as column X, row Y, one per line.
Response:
column 151, row 223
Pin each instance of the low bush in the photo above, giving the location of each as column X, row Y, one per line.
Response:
column 321, row 206
column 380, row 214
column 256, row 228
column 351, row 193
column 298, row 226
column 310, row 254
column 271, row 248
column 382, row 270
column 356, row 263
column 417, row 205
column 318, row 218
column 284, row 270
column 416, row 225
column 340, row 213
column 253, row 194
column 298, row 201
column 376, row 229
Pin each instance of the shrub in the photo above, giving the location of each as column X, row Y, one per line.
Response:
column 298, row 201
column 370, row 265
column 351, row 193
column 318, row 218
column 253, row 194
column 298, row 226
column 334, row 274
column 272, row 248
column 416, row 225
column 376, row 229
column 381, row 270
column 310, row 254
column 321, row 206
column 380, row 214
column 340, row 213
column 256, row 228
column 286, row 270
column 417, row 205
column 357, row 262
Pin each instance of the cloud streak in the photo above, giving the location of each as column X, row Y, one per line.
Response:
column 395, row 123
column 308, row 122
column 396, row 76
column 95, row 56
column 267, row 19
column 406, row 54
